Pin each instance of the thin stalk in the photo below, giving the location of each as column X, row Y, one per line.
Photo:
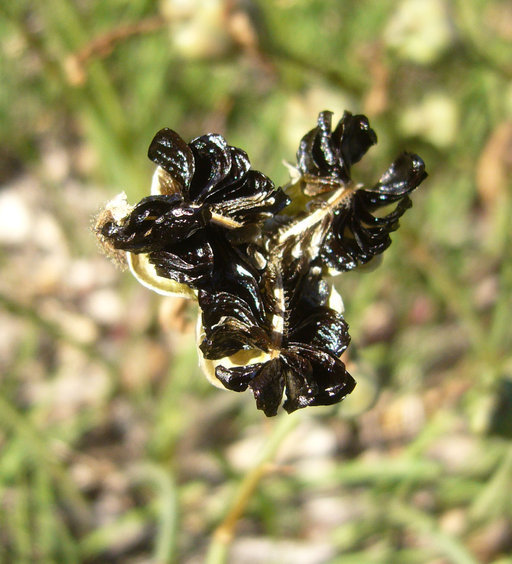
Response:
column 102, row 45
column 338, row 198
column 163, row 484
column 224, row 533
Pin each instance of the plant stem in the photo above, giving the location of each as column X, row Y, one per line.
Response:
column 102, row 45
column 223, row 534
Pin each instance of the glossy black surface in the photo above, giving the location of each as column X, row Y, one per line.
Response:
column 326, row 153
column 217, row 176
column 357, row 233
column 258, row 275
column 305, row 364
column 155, row 222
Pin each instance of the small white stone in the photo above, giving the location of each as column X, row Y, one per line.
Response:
column 15, row 218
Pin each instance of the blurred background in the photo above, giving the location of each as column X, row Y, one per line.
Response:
column 113, row 446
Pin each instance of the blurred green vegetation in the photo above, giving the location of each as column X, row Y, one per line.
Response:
column 137, row 461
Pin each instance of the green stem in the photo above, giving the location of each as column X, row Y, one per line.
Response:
column 223, row 534
column 163, row 484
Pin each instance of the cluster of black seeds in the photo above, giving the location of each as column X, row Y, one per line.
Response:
column 255, row 256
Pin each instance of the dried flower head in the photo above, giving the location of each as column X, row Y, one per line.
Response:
column 253, row 256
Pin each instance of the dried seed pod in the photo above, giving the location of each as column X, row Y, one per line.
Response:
column 200, row 190
column 293, row 348
column 302, row 362
column 360, row 230
column 324, row 157
column 216, row 176
column 215, row 230
column 360, row 219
